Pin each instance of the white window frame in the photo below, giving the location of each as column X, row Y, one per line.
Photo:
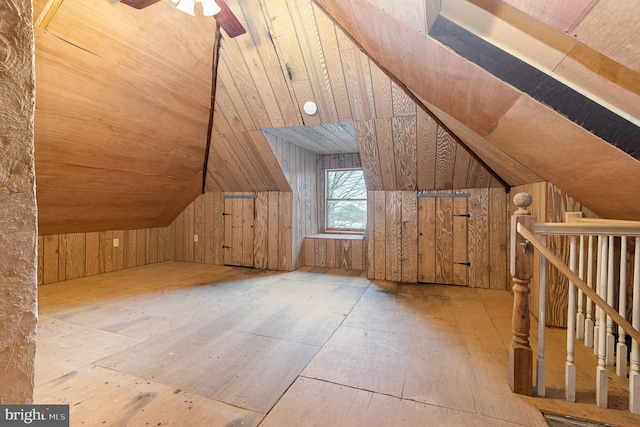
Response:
column 327, row 200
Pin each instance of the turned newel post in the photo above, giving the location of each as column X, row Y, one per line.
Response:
column 520, row 353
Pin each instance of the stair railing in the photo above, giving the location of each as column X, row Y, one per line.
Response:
column 597, row 329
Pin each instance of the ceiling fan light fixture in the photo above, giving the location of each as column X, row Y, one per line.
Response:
column 187, row 6
column 210, row 8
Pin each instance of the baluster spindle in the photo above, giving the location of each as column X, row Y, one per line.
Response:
column 520, row 353
column 541, row 367
column 580, row 314
column 596, row 327
column 621, row 350
column 588, row 321
column 634, row 367
column 601, row 371
column 611, row 340
column 570, row 367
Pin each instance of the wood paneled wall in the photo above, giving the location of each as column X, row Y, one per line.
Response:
column 299, row 168
column 346, row 252
column 272, row 248
column 549, row 205
column 414, row 153
column 392, row 237
column 389, row 252
column 70, row 256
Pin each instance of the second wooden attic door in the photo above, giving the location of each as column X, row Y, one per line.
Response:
column 239, row 215
column 442, row 239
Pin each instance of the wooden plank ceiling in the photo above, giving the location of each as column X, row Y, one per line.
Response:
column 124, row 97
column 293, row 53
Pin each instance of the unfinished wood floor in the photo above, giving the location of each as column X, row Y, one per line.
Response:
column 196, row 345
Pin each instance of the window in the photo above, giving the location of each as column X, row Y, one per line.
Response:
column 346, row 200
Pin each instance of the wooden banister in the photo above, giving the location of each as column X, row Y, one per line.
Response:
column 588, row 227
column 603, row 221
column 527, row 236
column 557, row 262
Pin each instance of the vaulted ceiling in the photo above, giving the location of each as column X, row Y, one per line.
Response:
column 434, row 95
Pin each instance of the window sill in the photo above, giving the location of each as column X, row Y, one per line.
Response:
column 344, row 236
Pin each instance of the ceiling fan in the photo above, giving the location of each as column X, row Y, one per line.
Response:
column 218, row 8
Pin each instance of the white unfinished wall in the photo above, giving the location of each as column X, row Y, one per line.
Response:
column 18, row 212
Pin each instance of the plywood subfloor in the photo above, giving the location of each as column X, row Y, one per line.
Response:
column 199, row 345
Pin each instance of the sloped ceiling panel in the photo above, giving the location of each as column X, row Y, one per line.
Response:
column 592, row 171
column 505, row 166
column 330, row 138
column 121, row 115
column 561, row 56
column 547, row 90
column 563, row 15
column 511, row 125
column 611, row 28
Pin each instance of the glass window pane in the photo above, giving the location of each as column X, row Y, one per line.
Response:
column 350, row 214
column 347, row 184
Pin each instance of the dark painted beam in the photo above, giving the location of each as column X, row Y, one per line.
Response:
column 581, row 110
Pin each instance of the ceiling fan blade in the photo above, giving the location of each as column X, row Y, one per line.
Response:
column 225, row 18
column 228, row 20
column 139, row 4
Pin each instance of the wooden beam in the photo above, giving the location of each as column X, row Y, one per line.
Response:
column 47, row 14
column 214, row 78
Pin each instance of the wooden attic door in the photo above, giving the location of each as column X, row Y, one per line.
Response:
column 239, row 215
column 442, row 238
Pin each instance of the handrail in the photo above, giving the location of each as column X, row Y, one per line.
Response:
column 557, row 262
column 604, row 221
column 585, row 227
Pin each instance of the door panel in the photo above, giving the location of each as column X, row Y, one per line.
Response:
column 426, row 239
column 227, row 214
column 442, row 239
column 460, row 227
column 239, row 214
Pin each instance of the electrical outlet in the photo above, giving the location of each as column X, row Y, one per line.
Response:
column 116, row 243
column 195, row 238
